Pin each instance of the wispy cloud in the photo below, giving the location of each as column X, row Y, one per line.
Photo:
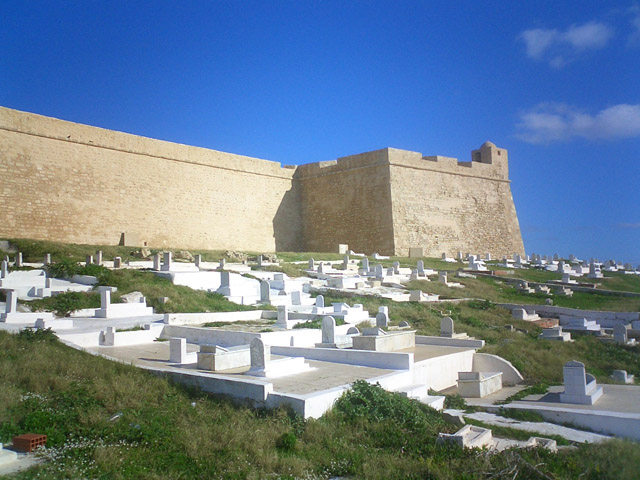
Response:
column 629, row 225
column 554, row 122
column 561, row 47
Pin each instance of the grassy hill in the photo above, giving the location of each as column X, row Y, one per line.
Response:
column 113, row 421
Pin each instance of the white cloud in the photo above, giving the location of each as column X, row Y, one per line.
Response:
column 559, row 48
column 590, row 35
column 553, row 122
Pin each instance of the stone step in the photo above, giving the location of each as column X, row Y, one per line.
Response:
column 414, row 391
column 434, row 401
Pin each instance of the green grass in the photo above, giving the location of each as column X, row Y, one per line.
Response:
column 181, row 299
column 502, row 292
column 109, row 420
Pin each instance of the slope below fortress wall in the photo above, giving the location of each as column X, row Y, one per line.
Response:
column 68, row 182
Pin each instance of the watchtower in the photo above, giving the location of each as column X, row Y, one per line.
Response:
column 489, row 153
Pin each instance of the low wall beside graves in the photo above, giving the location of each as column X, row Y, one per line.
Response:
column 603, row 318
column 75, row 183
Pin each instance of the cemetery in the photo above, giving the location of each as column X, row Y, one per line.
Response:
column 299, row 332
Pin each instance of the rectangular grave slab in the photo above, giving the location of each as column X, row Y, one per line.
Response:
column 479, row 384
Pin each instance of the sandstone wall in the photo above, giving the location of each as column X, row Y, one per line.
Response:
column 68, row 182
column 347, row 201
column 445, row 206
column 74, row 183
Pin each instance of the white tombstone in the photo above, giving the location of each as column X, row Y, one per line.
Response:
column 579, row 387
column 459, row 256
column 260, row 354
column 311, row 264
column 382, row 320
column 442, row 277
column 320, row 268
column 177, row 350
column 345, row 262
column 260, row 260
column 555, row 333
column 378, row 271
column 265, row 292
column 621, row 376
column 414, row 274
column 222, row 263
column 156, row 261
column 117, row 262
column 328, row 330
column 99, row 257
column 446, row 327
column 365, row 264
column 283, row 314
column 89, row 260
column 4, row 269
column 47, row 259
column 396, row 268
column 343, row 248
column 620, row 334
column 105, row 298
column 18, row 259
column 167, row 262
column 320, row 301
column 390, row 272
column 12, row 301
column 198, row 260
column 110, row 336
column 420, row 268
column 296, row 297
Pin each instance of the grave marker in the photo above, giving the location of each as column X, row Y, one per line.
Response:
column 260, row 354
column 265, row 292
column 328, row 330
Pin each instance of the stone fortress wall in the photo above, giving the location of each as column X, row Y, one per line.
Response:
column 68, row 182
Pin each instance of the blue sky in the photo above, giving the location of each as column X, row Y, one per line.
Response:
column 555, row 83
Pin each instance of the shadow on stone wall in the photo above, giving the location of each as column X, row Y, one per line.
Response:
column 287, row 223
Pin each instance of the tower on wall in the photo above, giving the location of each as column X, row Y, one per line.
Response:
column 490, row 154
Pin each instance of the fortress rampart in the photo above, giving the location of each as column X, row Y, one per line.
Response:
column 75, row 183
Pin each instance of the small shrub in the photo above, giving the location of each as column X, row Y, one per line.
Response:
column 65, row 303
column 455, row 401
column 287, row 442
column 33, row 335
column 376, row 404
column 481, row 304
column 63, row 269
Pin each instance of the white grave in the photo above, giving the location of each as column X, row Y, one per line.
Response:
column 621, row 376
column 447, row 329
column 579, row 387
column 521, row 314
column 555, row 333
column 263, row 366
